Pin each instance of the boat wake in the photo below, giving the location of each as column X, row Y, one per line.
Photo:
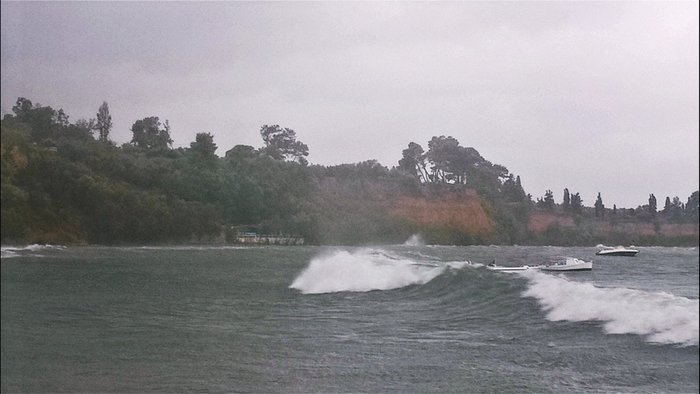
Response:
column 659, row 317
column 366, row 270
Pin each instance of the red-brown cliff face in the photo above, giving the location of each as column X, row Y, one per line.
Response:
column 462, row 212
column 540, row 221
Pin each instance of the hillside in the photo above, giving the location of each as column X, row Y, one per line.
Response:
column 62, row 183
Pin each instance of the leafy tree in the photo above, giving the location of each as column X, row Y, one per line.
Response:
column 148, row 134
column 202, row 155
column 45, row 122
column 104, row 122
column 88, row 125
column 81, row 130
column 282, row 144
column 599, row 207
column 466, row 165
column 450, row 163
column 239, row 152
column 413, row 162
column 548, row 201
column 204, row 144
column 674, row 209
column 441, row 150
column 485, row 177
column 16, row 151
column 23, row 108
column 512, row 189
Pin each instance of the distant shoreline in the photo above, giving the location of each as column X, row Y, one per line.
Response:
column 25, row 246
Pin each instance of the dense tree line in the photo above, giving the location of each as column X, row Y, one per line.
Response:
column 69, row 182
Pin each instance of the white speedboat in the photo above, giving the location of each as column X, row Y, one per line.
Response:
column 617, row 251
column 568, row 264
column 493, row 267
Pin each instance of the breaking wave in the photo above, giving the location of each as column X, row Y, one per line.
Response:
column 16, row 251
column 366, row 270
column 659, row 317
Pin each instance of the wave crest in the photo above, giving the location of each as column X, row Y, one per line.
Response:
column 659, row 317
column 362, row 271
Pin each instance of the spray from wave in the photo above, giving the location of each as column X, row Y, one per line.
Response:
column 364, row 270
column 659, row 317
column 415, row 240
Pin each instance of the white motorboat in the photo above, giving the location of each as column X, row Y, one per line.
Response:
column 568, row 264
column 492, row 266
column 617, row 251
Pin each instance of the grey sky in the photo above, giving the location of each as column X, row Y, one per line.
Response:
column 596, row 97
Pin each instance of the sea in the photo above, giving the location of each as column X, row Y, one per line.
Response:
column 409, row 318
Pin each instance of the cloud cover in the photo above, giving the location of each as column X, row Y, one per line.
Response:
column 596, row 97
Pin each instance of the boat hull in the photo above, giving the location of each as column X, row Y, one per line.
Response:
column 626, row 253
column 581, row 268
column 509, row 269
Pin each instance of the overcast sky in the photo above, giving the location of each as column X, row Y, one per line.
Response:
column 596, row 97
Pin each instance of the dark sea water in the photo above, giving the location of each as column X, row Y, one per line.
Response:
column 320, row 319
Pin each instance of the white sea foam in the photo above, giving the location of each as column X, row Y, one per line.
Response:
column 8, row 253
column 361, row 271
column 33, row 247
column 659, row 317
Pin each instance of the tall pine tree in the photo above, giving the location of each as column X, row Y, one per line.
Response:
column 599, row 207
column 652, row 204
column 104, row 122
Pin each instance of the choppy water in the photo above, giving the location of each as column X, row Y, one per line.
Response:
column 403, row 318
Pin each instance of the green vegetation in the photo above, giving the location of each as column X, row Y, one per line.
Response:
column 66, row 182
